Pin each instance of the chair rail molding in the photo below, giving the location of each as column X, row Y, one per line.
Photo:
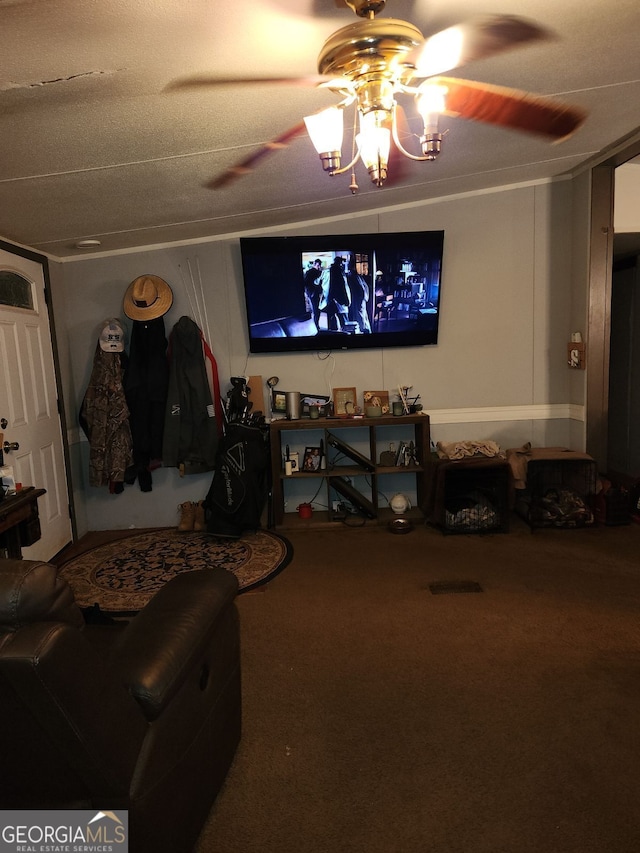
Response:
column 491, row 414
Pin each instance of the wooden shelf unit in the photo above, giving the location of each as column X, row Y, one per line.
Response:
column 282, row 430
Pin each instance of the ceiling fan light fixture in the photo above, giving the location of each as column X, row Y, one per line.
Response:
column 325, row 130
column 375, row 62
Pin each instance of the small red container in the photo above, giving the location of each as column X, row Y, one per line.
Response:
column 305, row 510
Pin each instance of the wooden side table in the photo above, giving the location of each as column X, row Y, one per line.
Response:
column 19, row 521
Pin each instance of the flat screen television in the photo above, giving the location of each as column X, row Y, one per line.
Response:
column 348, row 291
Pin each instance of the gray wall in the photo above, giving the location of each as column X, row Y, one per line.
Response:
column 499, row 371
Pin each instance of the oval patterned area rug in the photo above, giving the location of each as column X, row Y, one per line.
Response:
column 123, row 575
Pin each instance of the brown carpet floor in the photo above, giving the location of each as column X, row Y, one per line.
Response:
column 381, row 718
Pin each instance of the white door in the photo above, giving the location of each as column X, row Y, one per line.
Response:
column 29, row 399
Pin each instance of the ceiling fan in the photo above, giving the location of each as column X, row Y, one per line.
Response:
column 372, row 63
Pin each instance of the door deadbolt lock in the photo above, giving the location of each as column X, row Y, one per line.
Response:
column 8, row 446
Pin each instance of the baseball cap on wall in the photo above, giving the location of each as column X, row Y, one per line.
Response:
column 112, row 336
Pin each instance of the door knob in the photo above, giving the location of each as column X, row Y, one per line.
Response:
column 4, row 423
column 8, row 446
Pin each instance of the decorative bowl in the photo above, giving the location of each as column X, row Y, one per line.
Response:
column 400, row 525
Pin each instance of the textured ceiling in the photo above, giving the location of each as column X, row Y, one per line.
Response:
column 94, row 148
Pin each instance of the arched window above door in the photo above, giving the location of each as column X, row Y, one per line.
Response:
column 16, row 291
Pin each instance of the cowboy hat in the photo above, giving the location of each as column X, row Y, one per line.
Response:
column 147, row 298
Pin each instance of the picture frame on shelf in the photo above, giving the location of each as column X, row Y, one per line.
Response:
column 278, row 402
column 319, row 400
column 379, row 399
column 345, row 402
column 311, row 459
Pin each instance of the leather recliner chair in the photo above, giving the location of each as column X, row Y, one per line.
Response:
column 143, row 716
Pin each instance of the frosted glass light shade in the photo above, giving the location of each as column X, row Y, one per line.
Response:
column 374, row 141
column 430, row 102
column 325, row 130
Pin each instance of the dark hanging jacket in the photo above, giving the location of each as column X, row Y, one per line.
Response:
column 190, row 429
column 145, row 384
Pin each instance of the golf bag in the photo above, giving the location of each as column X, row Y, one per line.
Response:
column 240, row 486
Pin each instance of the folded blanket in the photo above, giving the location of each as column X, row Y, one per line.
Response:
column 517, row 457
column 466, row 449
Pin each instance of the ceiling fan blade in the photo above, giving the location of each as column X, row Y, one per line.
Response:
column 478, row 38
column 509, row 108
column 252, row 160
column 202, row 81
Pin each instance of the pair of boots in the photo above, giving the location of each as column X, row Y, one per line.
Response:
column 192, row 517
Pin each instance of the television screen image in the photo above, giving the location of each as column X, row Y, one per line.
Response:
column 342, row 292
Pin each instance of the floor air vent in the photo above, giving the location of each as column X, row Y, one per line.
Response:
column 449, row 587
